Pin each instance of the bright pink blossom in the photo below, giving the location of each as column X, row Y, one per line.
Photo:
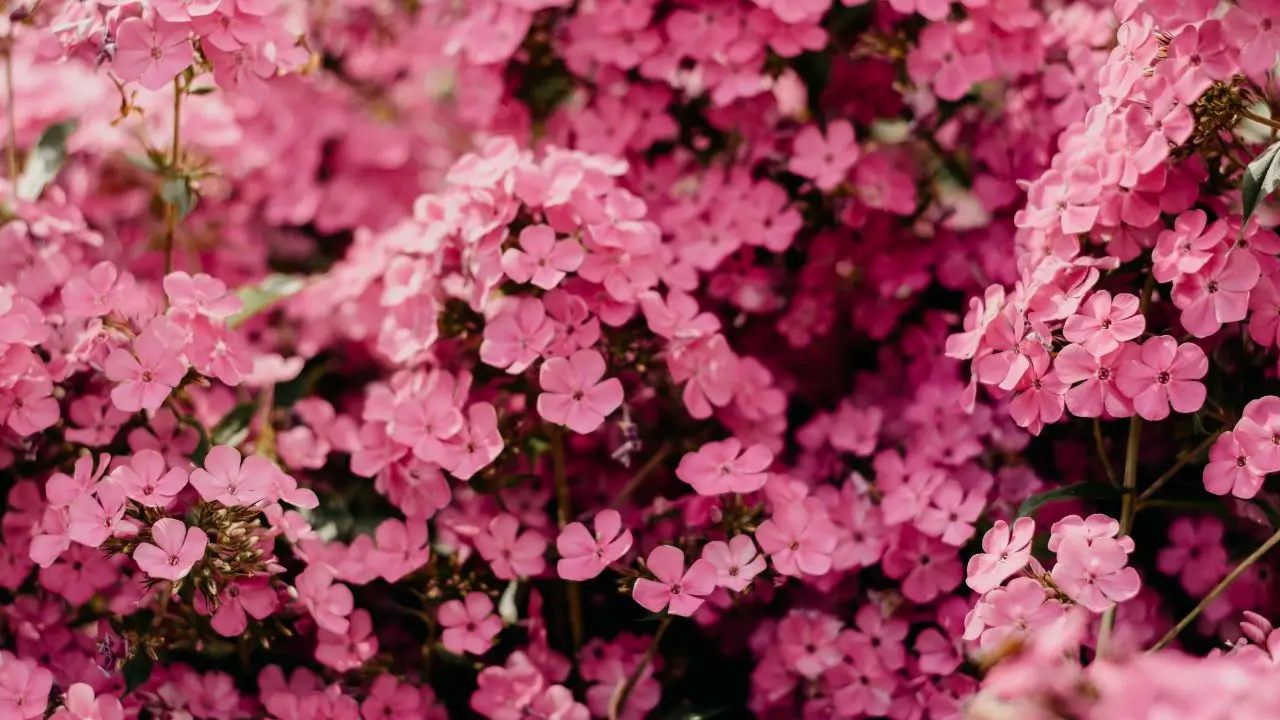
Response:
column 151, row 53
column 679, row 591
column 469, row 624
column 542, row 259
column 147, row 378
column 737, row 562
column 176, row 549
column 574, row 394
column 1005, row 551
column 724, row 467
column 1163, row 374
column 227, row 479
column 584, row 555
column 825, row 158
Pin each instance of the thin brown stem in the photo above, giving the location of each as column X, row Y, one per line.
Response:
column 1259, row 119
column 1217, row 590
column 564, row 513
column 619, row 702
column 641, row 475
column 171, row 211
column 1182, row 462
column 1102, row 451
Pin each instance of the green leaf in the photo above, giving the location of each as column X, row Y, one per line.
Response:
column 256, row 298
column 1076, row 491
column 45, row 160
column 234, row 428
column 136, row 671
column 1260, row 180
column 177, row 192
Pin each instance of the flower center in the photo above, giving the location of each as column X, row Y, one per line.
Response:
column 1163, row 378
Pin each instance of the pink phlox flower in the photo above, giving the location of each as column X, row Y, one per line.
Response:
column 517, row 336
column 1216, row 294
column 1064, row 201
column 176, row 549
column 97, row 516
column 1095, row 573
column 403, row 547
column 425, row 423
column 348, row 650
column 807, row 642
column 710, row 368
column 1250, row 25
column 92, row 295
column 1103, row 322
column 61, row 490
column 1014, row 343
column 1091, row 528
column 1005, row 551
column 230, row 481
column 1261, row 424
column 390, row 699
column 584, row 555
column 677, row 317
column 1017, row 610
column 951, row 512
column 509, row 552
column 1093, row 392
column 470, row 624
column 925, row 566
column 145, row 379
column 152, row 53
column 1195, row 554
column 182, row 11
column 476, row 445
column 328, row 602
column 201, row 294
column 1237, row 464
column 24, row 688
column 1165, row 373
column 574, row 394
column 241, row 600
column 80, row 703
column 904, row 499
column 1039, row 398
column 542, row 259
column 679, row 591
column 147, row 481
column 725, row 467
column 825, row 158
column 799, row 539
column 164, row 434
column 737, row 562
column 1188, row 246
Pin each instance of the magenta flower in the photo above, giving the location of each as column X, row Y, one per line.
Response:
column 402, row 548
column 328, row 602
column 176, row 549
column 542, row 259
column 24, row 689
column 680, row 592
column 951, row 513
column 724, row 467
column 1104, row 322
column 584, row 555
column 574, row 395
column 1195, row 553
column 225, row 479
column 469, row 624
column 1187, row 247
column 1095, row 573
column 826, row 160
column 1005, row 551
column 518, row 336
column 348, row 650
column 798, row 540
column 147, row 378
column 152, row 53
column 477, row 444
column 926, row 567
column 737, row 562
column 95, row 517
column 146, row 481
column 1261, row 424
column 509, row 552
column 1164, row 374
column 1093, row 380
column 200, row 293
column 1235, row 465
column 1216, row 294
column 241, row 600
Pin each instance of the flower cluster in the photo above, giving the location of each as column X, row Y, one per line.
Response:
column 630, row 358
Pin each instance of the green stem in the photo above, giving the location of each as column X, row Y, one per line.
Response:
column 564, row 514
column 170, row 211
column 1102, row 451
column 1217, row 590
column 619, row 703
column 644, row 472
column 1181, row 463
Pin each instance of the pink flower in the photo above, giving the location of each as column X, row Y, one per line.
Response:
column 1097, row 395
column 1005, row 551
column 176, row 549
column 152, row 54
column 724, row 467
column 1260, row 424
column 680, row 592
column 241, row 600
column 737, row 562
column 798, row 540
column 146, row 481
column 825, row 160
column 477, row 444
column 1187, row 247
column 1236, row 465
column 1095, row 573
column 511, row 554
column 1039, row 398
column 181, row 11
column 584, row 555
column 1216, row 294
column 1103, row 322
column 1195, row 553
column 951, row 513
column 1164, row 374
column 518, row 336
column 225, row 479
column 926, row 567
column 402, row 548
column 24, row 688
column 329, row 603
column 94, row 294
column 1021, row 608
column 80, row 704
column 200, row 293
column 63, row 489
column 348, row 650
column 678, row 317
column 94, row 518
column 469, row 624
column 147, row 379
column 542, row 259
column 574, row 395
column 807, row 642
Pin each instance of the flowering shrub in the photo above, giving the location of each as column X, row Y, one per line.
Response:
column 639, row 358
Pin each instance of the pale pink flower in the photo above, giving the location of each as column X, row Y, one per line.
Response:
column 145, row 380
column 1095, row 573
column 152, row 53
column 95, row 517
column 681, row 592
column 724, row 467
column 509, row 552
column 328, row 602
column 402, row 548
column 146, row 481
column 1165, row 373
column 225, row 479
column 825, row 159
column 517, row 336
column 1235, row 465
column 469, row 624
column 1103, row 322
column 1005, row 551
column 81, row 704
column 542, row 259
column 176, row 549
column 584, row 555
column 798, row 540
column 737, row 562
column 573, row 393
column 241, row 600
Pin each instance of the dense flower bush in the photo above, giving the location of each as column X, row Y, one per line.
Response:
column 572, row 359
